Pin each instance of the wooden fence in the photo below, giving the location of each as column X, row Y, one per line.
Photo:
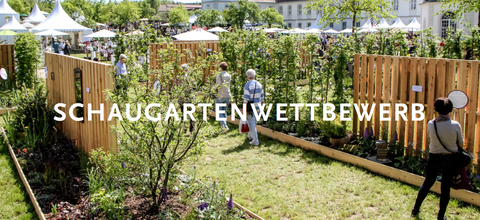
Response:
column 7, row 59
column 95, row 79
column 389, row 79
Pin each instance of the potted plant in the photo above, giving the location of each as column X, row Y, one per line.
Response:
column 336, row 132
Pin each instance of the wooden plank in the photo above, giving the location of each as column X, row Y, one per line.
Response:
column 472, row 107
column 461, row 85
column 394, row 95
column 403, row 91
column 378, row 93
column 421, row 133
column 370, row 86
column 431, row 95
column 477, row 134
column 412, row 99
column 363, row 88
column 387, row 84
column 356, row 76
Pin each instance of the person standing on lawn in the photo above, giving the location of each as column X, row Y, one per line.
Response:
column 253, row 94
column 440, row 160
column 121, row 69
column 223, row 94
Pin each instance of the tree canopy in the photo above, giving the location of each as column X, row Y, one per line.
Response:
column 209, row 17
column 236, row 14
column 271, row 16
column 177, row 15
column 335, row 11
column 460, row 7
column 125, row 12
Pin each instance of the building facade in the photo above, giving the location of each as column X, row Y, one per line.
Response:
column 296, row 16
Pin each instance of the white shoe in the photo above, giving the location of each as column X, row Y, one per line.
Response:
column 225, row 130
column 254, row 143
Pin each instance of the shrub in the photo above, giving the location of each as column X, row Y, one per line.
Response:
column 27, row 56
column 333, row 129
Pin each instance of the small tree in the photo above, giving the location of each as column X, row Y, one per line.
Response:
column 209, row 17
column 125, row 12
column 271, row 16
column 152, row 148
column 27, row 56
column 335, row 11
column 178, row 15
column 245, row 10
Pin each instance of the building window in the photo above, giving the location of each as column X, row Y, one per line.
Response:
column 299, row 25
column 344, row 25
column 208, row 6
column 309, row 24
column 289, row 25
column 395, row 4
column 414, row 4
column 309, row 12
column 299, row 9
column 448, row 23
column 357, row 24
column 226, row 5
column 280, row 10
column 331, row 25
column 289, row 10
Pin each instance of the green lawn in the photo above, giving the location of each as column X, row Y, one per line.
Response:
column 15, row 203
column 82, row 55
column 279, row 181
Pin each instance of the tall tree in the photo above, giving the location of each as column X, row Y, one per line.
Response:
column 46, row 5
column 209, row 17
column 271, row 16
column 149, row 8
column 21, row 6
column 177, row 15
column 460, row 7
column 335, row 11
column 125, row 12
column 236, row 14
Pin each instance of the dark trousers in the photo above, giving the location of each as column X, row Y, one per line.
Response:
column 437, row 164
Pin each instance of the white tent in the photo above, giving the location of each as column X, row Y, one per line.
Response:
column 367, row 24
column 295, row 31
column 383, row 24
column 192, row 19
column 6, row 11
column 346, row 31
column 27, row 25
column 315, row 24
column 197, row 34
column 36, row 16
column 51, row 33
column 60, row 21
column 371, row 30
column 415, row 25
column 330, row 31
column 217, row 29
column 14, row 25
column 398, row 24
column 102, row 33
column 314, row 31
column 274, row 30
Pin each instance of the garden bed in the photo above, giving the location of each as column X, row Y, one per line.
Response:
column 391, row 172
column 46, row 199
column 5, row 110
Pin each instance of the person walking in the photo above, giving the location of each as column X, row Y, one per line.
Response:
column 66, row 48
column 223, row 94
column 253, row 94
column 445, row 137
column 121, row 69
column 56, row 46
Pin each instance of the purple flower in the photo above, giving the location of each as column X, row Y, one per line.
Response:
column 203, row 206
column 395, row 138
column 123, row 165
column 164, row 195
column 365, row 133
column 478, row 176
column 371, row 131
column 230, row 202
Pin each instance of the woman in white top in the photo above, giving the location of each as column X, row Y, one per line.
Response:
column 440, row 159
column 223, row 94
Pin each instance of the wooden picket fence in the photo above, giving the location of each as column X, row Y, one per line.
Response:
column 96, row 78
column 183, row 46
column 389, row 79
column 7, row 59
column 213, row 46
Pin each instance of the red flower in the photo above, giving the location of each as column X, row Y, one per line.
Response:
column 442, row 44
column 18, row 150
column 24, row 150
